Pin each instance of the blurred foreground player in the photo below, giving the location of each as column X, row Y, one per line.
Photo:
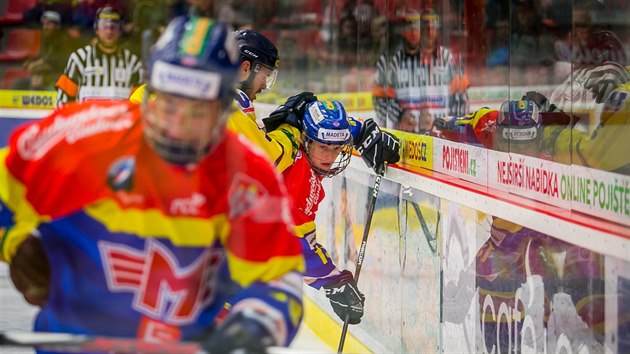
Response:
column 131, row 221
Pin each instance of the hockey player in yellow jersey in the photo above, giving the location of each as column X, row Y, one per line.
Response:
column 607, row 147
column 258, row 71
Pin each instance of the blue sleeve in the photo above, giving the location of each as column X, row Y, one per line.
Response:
column 320, row 268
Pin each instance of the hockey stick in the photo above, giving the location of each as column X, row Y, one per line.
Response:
column 431, row 238
column 366, row 232
column 81, row 343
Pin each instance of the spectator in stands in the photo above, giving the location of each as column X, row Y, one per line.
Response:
column 56, row 45
column 531, row 45
column 102, row 69
column 500, row 46
column 422, row 77
column 62, row 7
column 41, row 79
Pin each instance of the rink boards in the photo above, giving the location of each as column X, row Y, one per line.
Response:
column 456, row 264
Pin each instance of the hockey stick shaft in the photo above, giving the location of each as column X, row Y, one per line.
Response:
column 431, row 238
column 80, row 343
column 366, row 233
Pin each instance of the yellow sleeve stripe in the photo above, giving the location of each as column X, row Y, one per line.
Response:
column 181, row 231
column 138, row 94
column 305, row 229
column 246, row 272
column 26, row 219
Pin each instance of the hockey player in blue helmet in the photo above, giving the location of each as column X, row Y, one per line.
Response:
column 328, row 136
column 519, row 128
column 184, row 204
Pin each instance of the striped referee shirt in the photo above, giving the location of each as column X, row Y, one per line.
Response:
column 92, row 74
column 416, row 84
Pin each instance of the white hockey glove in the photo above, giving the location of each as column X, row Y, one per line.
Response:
column 602, row 80
column 344, row 295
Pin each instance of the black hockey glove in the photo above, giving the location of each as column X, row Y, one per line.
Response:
column 290, row 112
column 239, row 334
column 343, row 295
column 602, row 80
column 540, row 100
column 550, row 114
column 30, row 271
column 377, row 147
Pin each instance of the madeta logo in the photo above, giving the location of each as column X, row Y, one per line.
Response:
column 162, row 288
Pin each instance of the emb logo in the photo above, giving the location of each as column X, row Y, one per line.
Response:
column 162, row 289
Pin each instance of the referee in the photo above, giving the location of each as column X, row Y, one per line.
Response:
column 102, row 69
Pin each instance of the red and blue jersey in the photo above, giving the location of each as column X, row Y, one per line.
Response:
column 139, row 247
column 307, row 193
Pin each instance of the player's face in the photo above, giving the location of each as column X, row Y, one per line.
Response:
column 183, row 128
column 408, row 122
column 263, row 79
column 108, row 33
column 323, row 156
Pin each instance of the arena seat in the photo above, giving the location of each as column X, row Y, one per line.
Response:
column 12, row 74
column 21, row 44
column 14, row 11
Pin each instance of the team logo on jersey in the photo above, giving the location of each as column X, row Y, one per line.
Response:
column 121, row 172
column 188, row 206
column 244, row 193
column 162, row 288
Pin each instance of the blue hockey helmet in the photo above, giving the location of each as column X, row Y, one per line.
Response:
column 326, row 122
column 519, row 122
column 195, row 58
column 258, row 49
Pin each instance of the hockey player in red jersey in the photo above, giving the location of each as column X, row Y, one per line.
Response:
column 140, row 221
column 327, row 139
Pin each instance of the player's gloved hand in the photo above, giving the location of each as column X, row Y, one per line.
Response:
column 30, row 271
column 239, row 334
column 345, row 297
column 377, row 147
column 290, row 112
column 602, row 80
column 539, row 99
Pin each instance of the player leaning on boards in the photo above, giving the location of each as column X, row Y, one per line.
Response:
column 327, row 137
column 137, row 221
column 258, row 70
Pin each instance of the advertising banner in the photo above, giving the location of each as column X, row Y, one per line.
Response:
column 538, row 179
column 599, row 193
column 28, row 99
column 417, row 150
column 464, row 161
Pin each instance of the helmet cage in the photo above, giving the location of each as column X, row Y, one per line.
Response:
column 340, row 164
column 196, row 67
column 327, row 124
column 180, row 151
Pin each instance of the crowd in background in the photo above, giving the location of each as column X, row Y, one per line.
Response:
column 368, row 46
